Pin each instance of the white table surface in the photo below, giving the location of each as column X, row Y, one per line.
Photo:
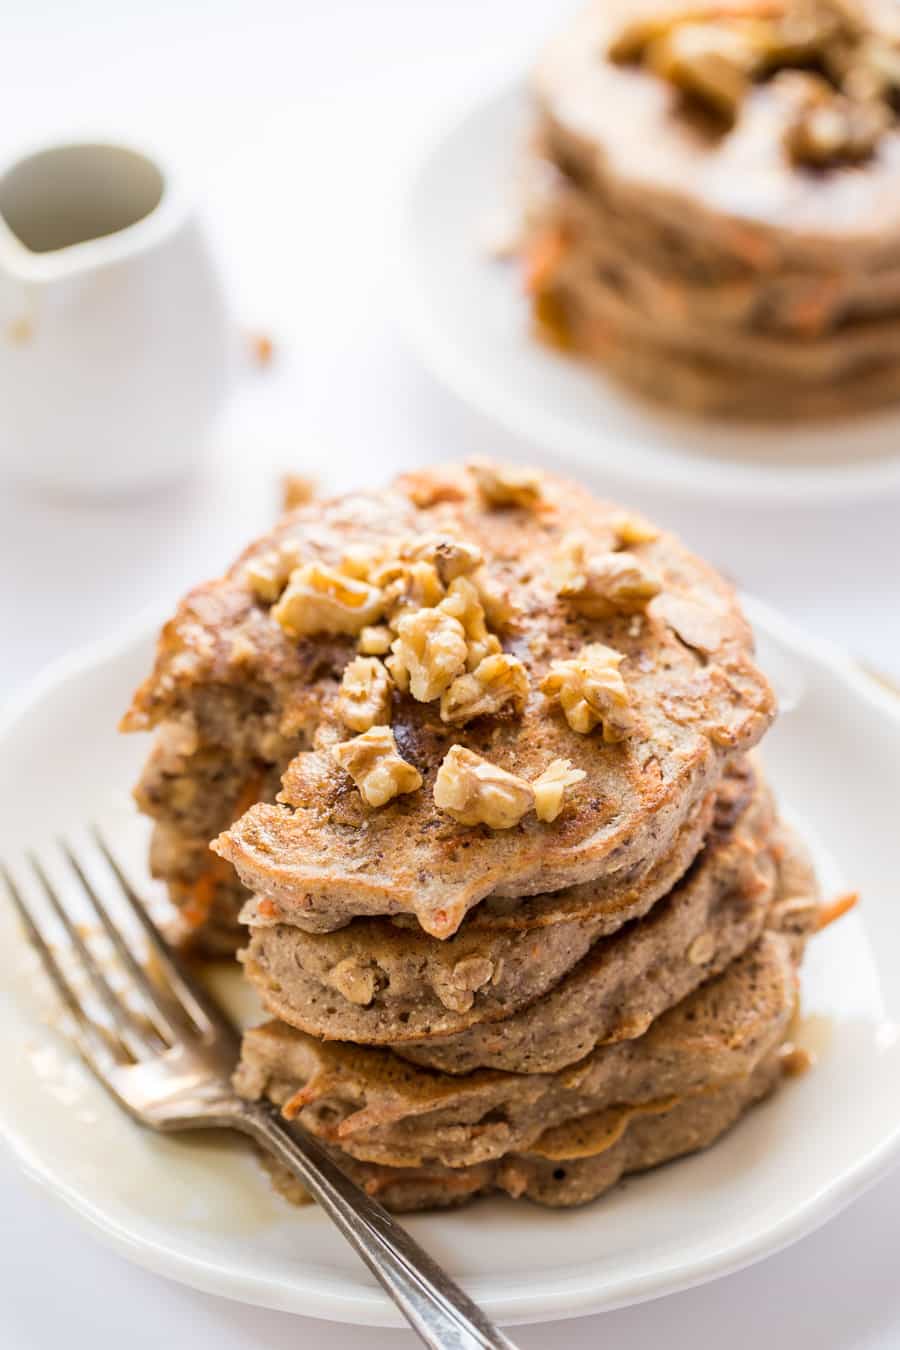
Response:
column 300, row 121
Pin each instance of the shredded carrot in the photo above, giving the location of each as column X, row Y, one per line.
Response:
column 544, row 254
column 838, row 907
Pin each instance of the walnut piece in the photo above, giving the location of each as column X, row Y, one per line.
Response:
column 407, row 586
column 551, row 786
column 428, row 653
column 631, row 529
column 375, row 641
column 429, row 487
column 296, row 490
column 591, row 692
column 610, row 583
column 457, row 989
column 826, row 127
column 505, row 485
column 462, row 602
column 267, row 574
column 712, row 62
column 320, row 600
column 355, row 979
column 496, row 600
column 364, row 698
column 451, row 558
column 373, row 762
column 476, row 792
column 497, row 682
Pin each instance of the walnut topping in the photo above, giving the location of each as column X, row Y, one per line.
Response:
column 375, row 641
column 551, row 786
column 429, row 651
column 365, row 694
column 429, row 487
column 712, row 62
column 611, row 583
column 407, row 586
column 504, row 485
column 591, row 691
column 296, row 490
column 845, row 58
column 320, row 600
column 632, row 529
column 499, row 681
column 827, row 127
column 267, row 574
column 355, row 979
column 374, row 764
column 451, row 558
column 463, row 603
column 359, row 561
column 496, row 600
column 476, row 792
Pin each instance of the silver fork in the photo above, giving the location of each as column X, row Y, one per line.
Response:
column 166, row 1054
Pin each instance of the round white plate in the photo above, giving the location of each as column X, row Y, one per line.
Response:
column 200, row 1209
column 469, row 318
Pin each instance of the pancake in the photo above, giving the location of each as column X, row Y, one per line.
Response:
column 377, row 1108
column 695, row 256
column 322, row 856
column 626, row 981
column 569, row 1165
column 532, row 955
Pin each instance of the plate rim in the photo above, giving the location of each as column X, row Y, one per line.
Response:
column 759, row 484
column 305, row 1294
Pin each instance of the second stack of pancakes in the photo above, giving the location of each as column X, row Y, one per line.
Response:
column 538, row 924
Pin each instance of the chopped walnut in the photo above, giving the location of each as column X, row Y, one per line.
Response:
column 359, row 562
column 827, row 127
column 551, row 786
column 355, row 979
column 476, row 792
column 451, row 558
column 591, row 691
column 632, row 529
column 296, row 490
column 428, row 487
column 364, row 698
column 407, row 586
column 463, row 603
column 713, row 62
column 374, row 764
column 267, row 574
column 496, row 600
column 376, row 640
column 611, row 583
column 504, row 485
column 320, row 600
column 457, row 989
column 497, row 682
column 429, row 651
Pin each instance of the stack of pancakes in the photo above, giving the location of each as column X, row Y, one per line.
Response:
column 714, row 214
column 483, row 975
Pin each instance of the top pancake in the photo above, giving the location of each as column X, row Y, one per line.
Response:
column 623, row 125
column 322, row 855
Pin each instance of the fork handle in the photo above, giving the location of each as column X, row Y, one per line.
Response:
column 444, row 1317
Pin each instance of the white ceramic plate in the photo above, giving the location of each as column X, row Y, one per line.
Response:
column 200, row 1209
column 469, row 319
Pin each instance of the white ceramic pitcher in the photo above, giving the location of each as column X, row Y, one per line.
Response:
column 115, row 340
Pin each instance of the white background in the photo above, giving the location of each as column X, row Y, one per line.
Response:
column 298, row 123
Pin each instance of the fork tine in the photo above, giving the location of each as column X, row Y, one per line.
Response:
column 130, row 1030
column 94, row 1044
column 163, row 1009
column 203, row 1011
